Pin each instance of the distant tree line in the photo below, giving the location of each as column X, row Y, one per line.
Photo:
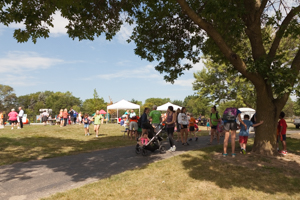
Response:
column 32, row 103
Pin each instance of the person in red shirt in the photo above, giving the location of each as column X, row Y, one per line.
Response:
column 281, row 133
column 192, row 123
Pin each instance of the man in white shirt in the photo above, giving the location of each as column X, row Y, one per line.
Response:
column 21, row 113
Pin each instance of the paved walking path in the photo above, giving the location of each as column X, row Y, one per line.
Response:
column 42, row 178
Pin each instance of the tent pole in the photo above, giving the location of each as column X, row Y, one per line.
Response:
column 117, row 115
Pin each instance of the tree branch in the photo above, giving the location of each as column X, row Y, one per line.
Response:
column 262, row 7
column 280, row 32
column 234, row 59
column 295, row 67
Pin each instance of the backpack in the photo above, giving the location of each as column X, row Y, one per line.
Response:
column 230, row 114
column 217, row 115
column 139, row 122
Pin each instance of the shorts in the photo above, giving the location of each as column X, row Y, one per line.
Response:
column 156, row 129
column 192, row 128
column 86, row 125
column 13, row 121
column 283, row 138
column 44, row 118
column 243, row 139
column 133, row 125
column 184, row 126
column 214, row 127
column 230, row 126
column 126, row 129
column 61, row 119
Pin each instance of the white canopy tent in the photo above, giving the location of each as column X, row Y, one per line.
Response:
column 247, row 111
column 123, row 105
column 165, row 106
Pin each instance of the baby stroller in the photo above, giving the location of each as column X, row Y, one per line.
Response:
column 154, row 143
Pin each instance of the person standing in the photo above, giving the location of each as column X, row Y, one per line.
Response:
column 281, row 133
column 21, row 113
column 183, row 121
column 71, row 113
column 45, row 116
column 65, row 116
column 132, row 114
column 1, row 118
column 13, row 116
column 170, row 122
column 229, row 117
column 97, row 121
column 155, row 116
column 144, row 120
column 214, row 120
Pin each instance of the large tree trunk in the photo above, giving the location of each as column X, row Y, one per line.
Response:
column 265, row 134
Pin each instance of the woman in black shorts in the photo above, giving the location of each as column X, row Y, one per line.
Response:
column 183, row 121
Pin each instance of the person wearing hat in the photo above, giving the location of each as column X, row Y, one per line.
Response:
column 155, row 117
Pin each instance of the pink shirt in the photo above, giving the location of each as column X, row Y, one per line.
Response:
column 144, row 140
column 13, row 115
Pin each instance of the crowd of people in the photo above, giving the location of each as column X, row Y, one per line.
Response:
column 173, row 121
column 186, row 126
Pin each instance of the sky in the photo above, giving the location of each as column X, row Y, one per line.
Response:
column 59, row 63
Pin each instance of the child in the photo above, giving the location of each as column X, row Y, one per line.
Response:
column 243, row 135
column 126, row 125
column 192, row 123
column 208, row 126
column 144, row 140
column 281, row 133
column 86, row 122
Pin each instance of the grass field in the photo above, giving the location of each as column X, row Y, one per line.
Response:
column 39, row 142
column 202, row 174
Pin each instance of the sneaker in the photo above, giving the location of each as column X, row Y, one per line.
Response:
column 243, row 151
column 19, row 128
column 196, row 139
column 190, row 139
column 96, row 135
column 170, row 150
column 88, row 134
column 233, row 155
column 187, row 144
column 284, row 152
column 280, row 152
column 182, row 143
column 224, row 155
column 12, row 128
column 174, row 148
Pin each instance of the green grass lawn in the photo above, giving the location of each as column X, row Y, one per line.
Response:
column 202, row 174
column 39, row 142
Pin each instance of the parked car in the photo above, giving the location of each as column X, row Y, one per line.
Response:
column 297, row 123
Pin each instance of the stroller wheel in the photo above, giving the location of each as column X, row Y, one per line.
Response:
column 137, row 149
column 144, row 152
column 162, row 149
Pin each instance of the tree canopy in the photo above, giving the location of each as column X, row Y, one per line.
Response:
column 175, row 32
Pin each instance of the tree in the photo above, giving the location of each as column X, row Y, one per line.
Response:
column 177, row 102
column 7, row 98
column 216, row 83
column 197, row 105
column 170, row 31
column 149, row 103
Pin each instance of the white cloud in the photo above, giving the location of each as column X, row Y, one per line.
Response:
column 17, row 67
column 124, row 33
column 60, row 24
column 196, row 67
column 184, row 83
column 147, row 72
column 18, row 62
column 21, row 80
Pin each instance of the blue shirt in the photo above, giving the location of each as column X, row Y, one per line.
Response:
column 243, row 131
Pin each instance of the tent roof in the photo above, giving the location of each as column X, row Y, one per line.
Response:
column 123, row 105
column 246, row 110
column 165, row 106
